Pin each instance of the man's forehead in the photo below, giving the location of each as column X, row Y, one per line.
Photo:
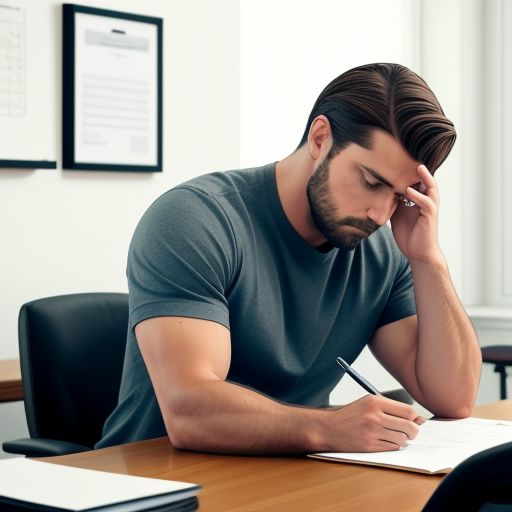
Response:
column 387, row 159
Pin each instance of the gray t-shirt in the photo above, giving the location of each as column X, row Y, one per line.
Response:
column 221, row 248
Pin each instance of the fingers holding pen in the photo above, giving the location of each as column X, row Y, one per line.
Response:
column 400, row 417
column 374, row 423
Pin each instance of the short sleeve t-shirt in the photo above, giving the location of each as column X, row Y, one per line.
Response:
column 220, row 248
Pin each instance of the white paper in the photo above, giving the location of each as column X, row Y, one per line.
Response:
column 439, row 445
column 116, row 91
column 79, row 489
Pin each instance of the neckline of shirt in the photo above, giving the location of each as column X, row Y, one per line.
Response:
column 286, row 227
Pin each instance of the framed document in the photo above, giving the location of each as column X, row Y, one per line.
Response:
column 112, row 90
column 27, row 103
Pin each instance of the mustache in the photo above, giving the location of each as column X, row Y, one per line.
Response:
column 368, row 225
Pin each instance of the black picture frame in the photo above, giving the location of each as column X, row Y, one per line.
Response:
column 96, row 127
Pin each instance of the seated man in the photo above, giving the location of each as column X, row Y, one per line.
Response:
column 246, row 285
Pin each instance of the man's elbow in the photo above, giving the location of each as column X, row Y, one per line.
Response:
column 182, row 437
column 461, row 412
column 180, row 440
column 463, row 405
column 455, row 411
column 183, row 430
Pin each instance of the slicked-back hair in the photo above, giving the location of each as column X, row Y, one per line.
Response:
column 389, row 97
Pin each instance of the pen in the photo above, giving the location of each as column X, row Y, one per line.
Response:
column 358, row 378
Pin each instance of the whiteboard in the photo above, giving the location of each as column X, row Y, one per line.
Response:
column 28, row 83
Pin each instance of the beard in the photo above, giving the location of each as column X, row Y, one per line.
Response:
column 323, row 212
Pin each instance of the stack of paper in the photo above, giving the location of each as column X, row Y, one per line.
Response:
column 33, row 485
column 438, row 448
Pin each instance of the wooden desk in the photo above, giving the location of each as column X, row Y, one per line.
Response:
column 247, row 484
column 10, row 381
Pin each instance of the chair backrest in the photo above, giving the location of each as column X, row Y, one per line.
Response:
column 483, row 482
column 71, row 353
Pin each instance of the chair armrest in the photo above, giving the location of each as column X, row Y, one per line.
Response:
column 39, row 447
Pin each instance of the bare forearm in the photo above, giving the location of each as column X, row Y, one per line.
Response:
column 224, row 417
column 448, row 358
column 213, row 415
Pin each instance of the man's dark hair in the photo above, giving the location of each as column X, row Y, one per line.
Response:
column 392, row 98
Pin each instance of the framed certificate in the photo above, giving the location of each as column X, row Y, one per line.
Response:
column 112, row 90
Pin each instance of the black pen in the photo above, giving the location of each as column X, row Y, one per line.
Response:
column 358, row 378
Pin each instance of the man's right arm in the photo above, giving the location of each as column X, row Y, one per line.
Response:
column 188, row 361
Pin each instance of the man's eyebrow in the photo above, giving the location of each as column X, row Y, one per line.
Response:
column 377, row 176
column 383, row 180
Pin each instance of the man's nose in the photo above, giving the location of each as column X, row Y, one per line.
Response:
column 382, row 210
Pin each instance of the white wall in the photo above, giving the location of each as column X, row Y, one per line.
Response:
column 292, row 49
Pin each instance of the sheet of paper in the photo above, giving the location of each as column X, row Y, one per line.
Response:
column 116, row 90
column 79, row 489
column 439, row 445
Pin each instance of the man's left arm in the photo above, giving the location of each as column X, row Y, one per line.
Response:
column 435, row 354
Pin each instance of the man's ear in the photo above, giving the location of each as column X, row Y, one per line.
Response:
column 319, row 138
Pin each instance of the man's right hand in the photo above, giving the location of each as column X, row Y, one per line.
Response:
column 371, row 424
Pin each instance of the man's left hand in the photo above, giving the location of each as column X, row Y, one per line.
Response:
column 415, row 228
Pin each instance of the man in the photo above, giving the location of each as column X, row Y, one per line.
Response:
column 245, row 286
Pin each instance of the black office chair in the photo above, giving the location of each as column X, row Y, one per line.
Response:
column 501, row 357
column 71, row 354
column 483, row 483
